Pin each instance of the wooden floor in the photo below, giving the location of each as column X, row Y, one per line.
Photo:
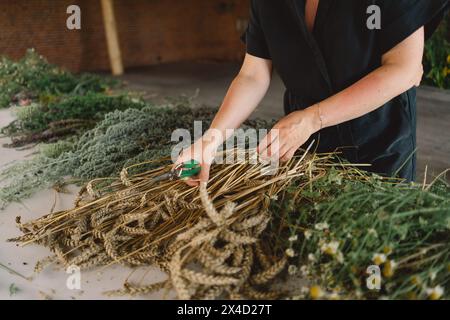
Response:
column 213, row 79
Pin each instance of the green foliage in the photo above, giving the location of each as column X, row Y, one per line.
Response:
column 33, row 78
column 346, row 221
column 65, row 115
column 91, row 106
column 437, row 57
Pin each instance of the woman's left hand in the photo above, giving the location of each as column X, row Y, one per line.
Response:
column 289, row 134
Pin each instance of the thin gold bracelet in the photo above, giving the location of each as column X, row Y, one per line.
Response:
column 320, row 116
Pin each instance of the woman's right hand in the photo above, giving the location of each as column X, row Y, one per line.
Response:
column 204, row 153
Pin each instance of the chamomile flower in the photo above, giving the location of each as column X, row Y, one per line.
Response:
column 416, row 280
column 387, row 250
column 433, row 275
column 293, row 238
column 307, row 234
column 304, row 290
column 389, row 268
column 379, row 258
column 339, row 257
column 312, row 257
column 304, row 271
column 334, row 296
column 292, row 270
column 322, row 226
column 373, row 232
column 330, row 248
column 290, row 252
column 435, row 293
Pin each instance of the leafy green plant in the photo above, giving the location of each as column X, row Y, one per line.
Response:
column 346, row 221
column 63, row 116
column 32, row 78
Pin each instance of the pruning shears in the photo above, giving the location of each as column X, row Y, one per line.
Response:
column 183, row 171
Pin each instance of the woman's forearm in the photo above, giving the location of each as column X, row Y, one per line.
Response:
column 400, row 71
column 245, row 93
column 365, row 96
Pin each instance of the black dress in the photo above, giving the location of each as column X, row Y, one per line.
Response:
column 340, row 51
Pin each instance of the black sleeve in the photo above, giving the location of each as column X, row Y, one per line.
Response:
column 401, row 18
column 254, row 36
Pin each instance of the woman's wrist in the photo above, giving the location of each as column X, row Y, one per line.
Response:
column 314, row 118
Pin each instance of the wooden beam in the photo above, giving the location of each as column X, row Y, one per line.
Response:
column 112, row 37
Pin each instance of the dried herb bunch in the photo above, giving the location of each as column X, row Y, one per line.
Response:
column 63, row 116
column 33, row 79
column 337, row 226
column 206, row 239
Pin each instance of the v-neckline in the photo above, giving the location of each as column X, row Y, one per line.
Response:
column 311, row 37
column 320, row 18
column 314, row 21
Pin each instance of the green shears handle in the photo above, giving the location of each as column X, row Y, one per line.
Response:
column 183, row 171
column 188, row 169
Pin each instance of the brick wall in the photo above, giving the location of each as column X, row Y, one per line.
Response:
column 150, row 31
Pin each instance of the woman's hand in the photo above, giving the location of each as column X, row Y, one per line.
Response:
column 289, row 134
column 204, row 152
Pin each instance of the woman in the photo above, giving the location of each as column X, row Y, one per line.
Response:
column 350, row 80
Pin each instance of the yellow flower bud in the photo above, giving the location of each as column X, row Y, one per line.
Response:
column 379, row 259
column 416, row 280
column 389, row 269
column 387, row 250
column 315, row 292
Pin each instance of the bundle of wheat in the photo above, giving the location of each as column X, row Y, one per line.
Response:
column 207, row 240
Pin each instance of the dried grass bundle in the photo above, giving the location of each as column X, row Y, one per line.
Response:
column 206, row 239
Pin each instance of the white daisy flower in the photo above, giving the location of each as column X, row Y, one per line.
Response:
column 290, row 252
column 307, row 234
column 373, row 232
column 379, row 258
column 330, row 248
column 322, row 226
column 304, row 270
column 435, row 293
column 292, row 269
